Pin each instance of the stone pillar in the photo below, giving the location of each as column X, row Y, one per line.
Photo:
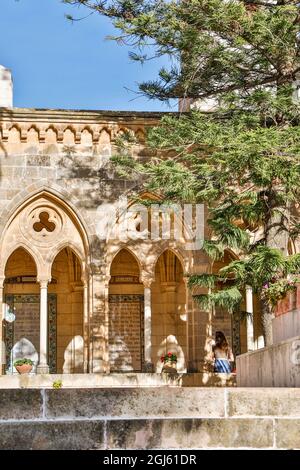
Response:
column 2, row 306
column 249, row 309
column 99, row 334
column 148, row 365
column 86, row 328
column 188, row 313
column 106, row 327
column 43, row 367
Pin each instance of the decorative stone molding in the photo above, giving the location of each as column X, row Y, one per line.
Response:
column 146, row 279
column 43, row 282
column 39, row 133
column 43, row 222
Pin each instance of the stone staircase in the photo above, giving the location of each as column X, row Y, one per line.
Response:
column 150, row 418
column 129, row 379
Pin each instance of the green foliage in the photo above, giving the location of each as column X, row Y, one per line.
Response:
column 215, row 250
column 229, row 299
column 57, row 384
column 243, row 158
column 21, row 362
column 203, row 280
column 223, row 46
column 267, row 270
column 278, row 290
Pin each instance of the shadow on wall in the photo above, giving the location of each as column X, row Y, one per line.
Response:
column 120, row 356
column 73, row 356
column 170, row 344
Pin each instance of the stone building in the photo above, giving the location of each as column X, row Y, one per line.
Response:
column 73, row 300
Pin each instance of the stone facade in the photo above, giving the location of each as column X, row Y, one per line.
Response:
column 120, row 304
column 136, row 418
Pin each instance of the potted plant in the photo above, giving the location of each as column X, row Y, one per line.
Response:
column 23, row 366
column 169, row 360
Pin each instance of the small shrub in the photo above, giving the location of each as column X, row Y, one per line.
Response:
column 57, row 384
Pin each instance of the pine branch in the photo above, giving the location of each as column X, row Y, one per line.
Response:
column 203, row 280
column 229, row 299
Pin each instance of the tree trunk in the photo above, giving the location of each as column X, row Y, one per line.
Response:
column 266, row 321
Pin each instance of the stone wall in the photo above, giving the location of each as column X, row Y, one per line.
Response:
column 168, row 418
column 275, row 366
column 286, row 326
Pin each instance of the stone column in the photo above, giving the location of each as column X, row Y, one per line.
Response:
column 249, row 309
column 99, row 334
column 106, row 326
column 2, row 306
column 43, row 367
column 188, row 311
column 148, row 365
column 86, row 328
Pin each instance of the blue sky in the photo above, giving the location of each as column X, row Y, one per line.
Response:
column 57, row 64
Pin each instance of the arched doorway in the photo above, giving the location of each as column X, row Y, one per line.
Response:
column 126, row 315
column 68, row 291
column 21, row 324
column 169, row 316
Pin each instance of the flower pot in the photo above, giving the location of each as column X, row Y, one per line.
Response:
column 24, row 368
column 170, row 365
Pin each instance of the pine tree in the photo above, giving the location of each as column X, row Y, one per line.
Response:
column 243, row 158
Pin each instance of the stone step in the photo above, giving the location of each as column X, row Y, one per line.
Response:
column 118, row 380
column 150, row 418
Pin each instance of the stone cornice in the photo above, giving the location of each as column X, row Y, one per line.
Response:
column 80, row 116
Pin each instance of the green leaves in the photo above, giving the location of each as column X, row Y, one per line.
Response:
column 203, row 280
column 229, row 299
column 268, row 271
column 229, row 235
column 242, row 159
column 215, row 47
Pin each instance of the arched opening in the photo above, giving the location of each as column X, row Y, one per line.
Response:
column 126, row 314
column 68, row 292
column 169, row 316
column 21, row 323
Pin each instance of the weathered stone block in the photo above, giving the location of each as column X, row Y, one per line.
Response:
column 38, row 160
column 264, row 402
column 20, row 404
column 143, row 402
column 69, row 435
column 190, row 434
column 287, row 433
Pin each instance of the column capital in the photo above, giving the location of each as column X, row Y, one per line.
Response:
column 146, row 279
column 2, row 279
column 43, row 282
column 84, row 279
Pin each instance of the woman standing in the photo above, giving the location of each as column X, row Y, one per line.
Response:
column 222, row 354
